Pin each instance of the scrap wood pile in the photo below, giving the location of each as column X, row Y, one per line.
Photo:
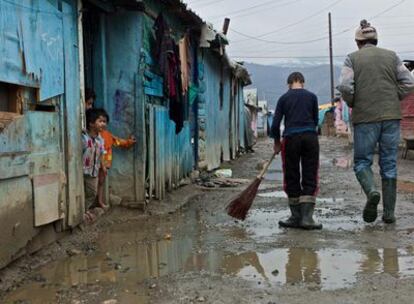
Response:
column 219, row 179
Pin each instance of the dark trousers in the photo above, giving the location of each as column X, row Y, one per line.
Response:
column 300, row 154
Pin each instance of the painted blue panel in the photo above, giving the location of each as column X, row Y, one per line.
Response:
column 173, row 153
column 14, row 138
column 240, row 100
column 32, row 45
column 217, row 124
column 123, row 50
column 44, row 130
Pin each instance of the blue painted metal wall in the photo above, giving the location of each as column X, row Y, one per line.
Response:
column 118, row 86
column 214, row 118
column 31, row 45
column 172, row 154
column 39, row 148
column 240, row 102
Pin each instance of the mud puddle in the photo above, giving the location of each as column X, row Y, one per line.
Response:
column 130, row 256
column 325, row 269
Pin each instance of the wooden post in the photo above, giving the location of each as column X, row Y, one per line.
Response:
column 226, row 25
column 331, row 59
column 81, row 63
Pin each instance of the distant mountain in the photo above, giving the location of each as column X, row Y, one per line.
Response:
column 270, row 80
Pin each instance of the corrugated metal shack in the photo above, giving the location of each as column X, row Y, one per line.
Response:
column 174, row 134
column 50, row 50
column 41, row 189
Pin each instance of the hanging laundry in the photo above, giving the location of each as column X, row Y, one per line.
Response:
column 167, row 55
column 184, row 49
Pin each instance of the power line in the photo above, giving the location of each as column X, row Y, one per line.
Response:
column 388, row 9
column 258, row 11
column 243, row 9
column 258, row 38
column 291, row 24
column 233, row 14
column 281, row 42
column 209, row 3
column 197, row 2
column 301, row 57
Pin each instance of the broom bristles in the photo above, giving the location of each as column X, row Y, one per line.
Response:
column 240, row 205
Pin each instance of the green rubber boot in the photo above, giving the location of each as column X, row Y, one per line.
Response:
column 366, row 180
column 307, row 221
column 389, row 197
column 294, row 220
column 307, row 206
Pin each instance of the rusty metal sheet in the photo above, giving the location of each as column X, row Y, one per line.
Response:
column 46, row 198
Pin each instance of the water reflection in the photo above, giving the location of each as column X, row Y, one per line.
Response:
column 322, row 269
column 302, row 266
column 386, row 261
column 126, row 258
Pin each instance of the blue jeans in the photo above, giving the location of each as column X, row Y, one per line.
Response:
column 366, row 137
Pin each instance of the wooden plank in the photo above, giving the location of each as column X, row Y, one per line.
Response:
column 151, row 155
column 72, row 113
column 46, row 189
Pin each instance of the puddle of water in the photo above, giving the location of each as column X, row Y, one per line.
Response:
column 325, row 269
column 282, row 194
column 126, row 258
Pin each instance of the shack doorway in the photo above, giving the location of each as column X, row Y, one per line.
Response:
column 93, row 50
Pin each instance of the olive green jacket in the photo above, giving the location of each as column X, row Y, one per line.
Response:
column 373, row 81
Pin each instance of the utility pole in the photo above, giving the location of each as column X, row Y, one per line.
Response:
column 331, row 59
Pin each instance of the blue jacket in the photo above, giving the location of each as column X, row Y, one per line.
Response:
column 299, row 108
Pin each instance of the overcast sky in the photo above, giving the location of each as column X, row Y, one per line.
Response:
column 277, row 31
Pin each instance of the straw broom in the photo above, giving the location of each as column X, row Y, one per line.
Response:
column 240, row 205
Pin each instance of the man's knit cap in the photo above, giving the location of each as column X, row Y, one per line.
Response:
column 366, row 32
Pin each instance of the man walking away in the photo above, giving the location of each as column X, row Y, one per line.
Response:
column 300, row 149
column 373, row 81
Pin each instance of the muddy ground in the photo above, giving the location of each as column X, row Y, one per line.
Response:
column 187, row 250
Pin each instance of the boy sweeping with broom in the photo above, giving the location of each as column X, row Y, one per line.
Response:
column 300, row 151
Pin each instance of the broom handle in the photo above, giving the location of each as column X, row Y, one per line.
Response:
column 263, row 172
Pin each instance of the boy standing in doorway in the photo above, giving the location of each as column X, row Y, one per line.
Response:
column 300, row 151
column 110, row 141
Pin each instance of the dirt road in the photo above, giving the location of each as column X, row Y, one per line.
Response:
column 197, row 254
